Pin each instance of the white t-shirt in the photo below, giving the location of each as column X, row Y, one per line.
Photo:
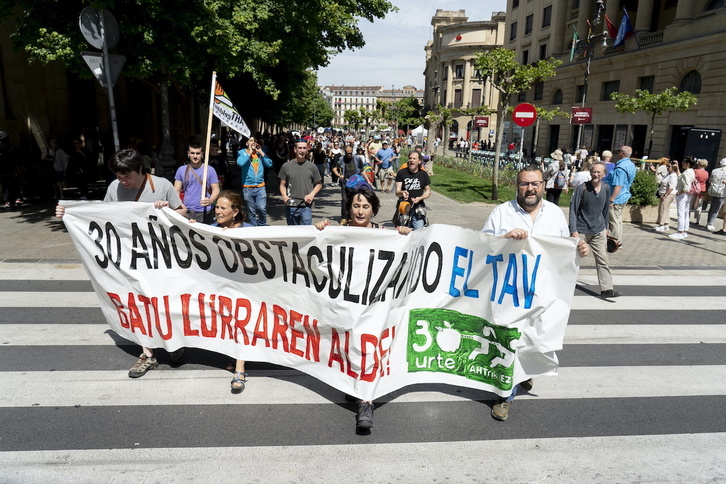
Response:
column 549, row 221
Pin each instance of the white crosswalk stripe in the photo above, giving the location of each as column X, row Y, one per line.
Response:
column 83, row 417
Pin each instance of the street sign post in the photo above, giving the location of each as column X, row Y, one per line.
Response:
column 524, row 115
column 100, row 29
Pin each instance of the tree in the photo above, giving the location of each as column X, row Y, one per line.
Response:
column 655, row 104
column 191, row 39
column 353, row 118
column 508, row 77
column 407, row 112
column 439, row 116
column 367, row 117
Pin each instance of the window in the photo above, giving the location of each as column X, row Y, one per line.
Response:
column 528, row 24
column 457, row 98
column 475, row 98
column 646, row 83
column 557, row 98
column 513, row 31
column 691, row 82
column 608, row 88
column 714, row 4
column 525, row 57
column 446, row 73
column 515, row 3
column 538, row 91
column 547, row 16
column 522, row 97
column 459, row 71
column 543, row 52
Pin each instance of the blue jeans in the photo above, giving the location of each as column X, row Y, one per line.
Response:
column 256, row 201
column 299, row 215
column 416, row 222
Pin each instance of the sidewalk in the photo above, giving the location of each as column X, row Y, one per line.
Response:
column 32, row 233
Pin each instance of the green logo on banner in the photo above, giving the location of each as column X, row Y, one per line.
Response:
column 446, row 341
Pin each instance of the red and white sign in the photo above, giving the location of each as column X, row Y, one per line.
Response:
column 581, row 116
column 524, row 115
column 481, row 122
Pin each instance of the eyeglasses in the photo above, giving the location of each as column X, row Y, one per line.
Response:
column 536, row 184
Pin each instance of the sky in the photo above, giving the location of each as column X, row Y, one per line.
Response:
column 394, row 51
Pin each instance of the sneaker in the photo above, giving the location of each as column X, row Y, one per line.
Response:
column 7, row 204
column 676, row 236
column 500, row 411
column 610, row 293
column 176, row 356
column 685, row 235
column 526, row 385
column 365, row 415
column 659, row 228
column 719, row 232
column 18, row 201
column 710, row 227
column 144, row 364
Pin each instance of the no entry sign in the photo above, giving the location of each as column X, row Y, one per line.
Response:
column 524, row 115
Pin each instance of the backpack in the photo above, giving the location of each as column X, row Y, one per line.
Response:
column 560, row 180
column 695, row 187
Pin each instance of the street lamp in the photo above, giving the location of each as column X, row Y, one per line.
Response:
column 592, row 40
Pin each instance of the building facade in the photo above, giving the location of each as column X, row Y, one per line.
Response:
column 452, row 79
column 345, row 98
column 676, row 43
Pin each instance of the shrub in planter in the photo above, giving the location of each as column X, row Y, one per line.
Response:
column 644, row 188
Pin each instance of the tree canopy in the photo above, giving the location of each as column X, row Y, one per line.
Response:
column 653, row 104
column 261, row 40
column 500, row 67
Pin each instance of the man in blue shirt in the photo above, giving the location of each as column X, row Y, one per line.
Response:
column 620, row 180
column 384, row 160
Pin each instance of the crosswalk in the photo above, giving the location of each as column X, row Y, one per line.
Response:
column 639, row 396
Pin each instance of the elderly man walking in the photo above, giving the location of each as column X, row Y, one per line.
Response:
column 589, row 208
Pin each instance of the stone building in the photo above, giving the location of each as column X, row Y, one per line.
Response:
column 677, row 43
column 451, row 77
column 344, row 98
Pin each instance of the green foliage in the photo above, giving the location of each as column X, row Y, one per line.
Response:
column 270, row 42
column 500, row 67
column 643, row 189
column 353, row 118
column 655, row 104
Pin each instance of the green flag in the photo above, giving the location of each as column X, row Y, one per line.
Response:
column 575, row 39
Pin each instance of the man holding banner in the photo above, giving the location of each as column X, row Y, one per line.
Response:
column 132, row 185
column 517, row 219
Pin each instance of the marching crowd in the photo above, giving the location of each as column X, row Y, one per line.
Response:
column 297, row 164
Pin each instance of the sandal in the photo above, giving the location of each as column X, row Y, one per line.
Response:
column 238, row 382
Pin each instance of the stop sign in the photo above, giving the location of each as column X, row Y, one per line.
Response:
column 524, row 115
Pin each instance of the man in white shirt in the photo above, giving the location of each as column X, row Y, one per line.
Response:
column 527, row 214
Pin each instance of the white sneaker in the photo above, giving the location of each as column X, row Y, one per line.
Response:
column 685, row 235
column 677, row 236
column 666, row 228
column 711, row 228
column 660, row 228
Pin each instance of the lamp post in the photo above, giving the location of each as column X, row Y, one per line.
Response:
column 592, row 40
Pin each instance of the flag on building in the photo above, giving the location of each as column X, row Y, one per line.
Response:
column 575, row 39
column 226, row 112
column 612, row 30
column 625, row 31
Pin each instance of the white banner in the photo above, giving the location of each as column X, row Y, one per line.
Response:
column 367, row 311
column 227, row 113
